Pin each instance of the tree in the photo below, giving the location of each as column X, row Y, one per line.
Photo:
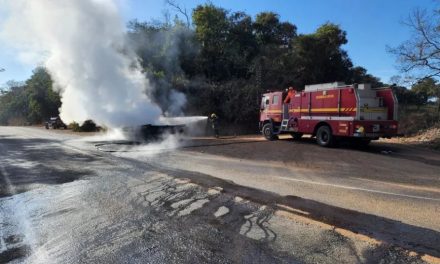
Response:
column 408, row 97
column 241, row 45
column 211, row 30
column 359, row 75
column 420, row 54
column 269, row 30
column 428, row 90
column 273, row 63
column 13, row 104
column 319, row 57
column 30, row 102
column 43, row 101
column 181, row 10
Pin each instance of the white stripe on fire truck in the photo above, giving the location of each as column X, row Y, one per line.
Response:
column 305, row 110
column 345, row 118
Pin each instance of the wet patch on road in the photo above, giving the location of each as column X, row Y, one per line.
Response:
column 137, row 212
column 29, row 164
column 357, row 222
column 15, row 253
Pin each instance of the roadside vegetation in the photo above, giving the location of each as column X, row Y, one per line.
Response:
column 223, row 61
column 30, row 102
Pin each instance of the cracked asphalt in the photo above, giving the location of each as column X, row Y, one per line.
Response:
column 66, row 199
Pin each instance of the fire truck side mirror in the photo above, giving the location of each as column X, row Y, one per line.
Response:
column 267, row 101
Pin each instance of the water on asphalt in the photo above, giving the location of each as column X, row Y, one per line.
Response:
column 63, row 201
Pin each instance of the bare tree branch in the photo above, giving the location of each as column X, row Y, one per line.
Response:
column 423, row 27
column 421, row 53
column 179, row 9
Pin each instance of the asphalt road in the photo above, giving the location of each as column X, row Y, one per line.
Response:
column 69, row 199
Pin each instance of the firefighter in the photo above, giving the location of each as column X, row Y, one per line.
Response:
column 214, row 122
column 290, row 95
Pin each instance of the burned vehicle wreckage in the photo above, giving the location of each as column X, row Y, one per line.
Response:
column 149, row 132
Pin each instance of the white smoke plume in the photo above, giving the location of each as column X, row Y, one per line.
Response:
column 83, row 46
column 168, row 45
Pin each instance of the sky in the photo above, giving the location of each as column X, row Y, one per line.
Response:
column 371, row 26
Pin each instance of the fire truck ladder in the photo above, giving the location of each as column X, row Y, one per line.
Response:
column 285, row 122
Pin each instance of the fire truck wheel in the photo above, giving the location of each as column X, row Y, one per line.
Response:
column 268, row 132
column 324, row 136
column 296, row 135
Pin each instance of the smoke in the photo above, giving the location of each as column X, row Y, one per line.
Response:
column 170, row 46
column 84, row 47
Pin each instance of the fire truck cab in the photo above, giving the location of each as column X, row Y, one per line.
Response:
column 329, row 112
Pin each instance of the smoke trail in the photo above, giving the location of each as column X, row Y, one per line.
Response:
column 169, row 45
column 83, row 45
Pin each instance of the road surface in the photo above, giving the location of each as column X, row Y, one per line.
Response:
column 66, row 198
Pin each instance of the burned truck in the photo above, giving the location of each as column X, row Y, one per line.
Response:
column 149, row 132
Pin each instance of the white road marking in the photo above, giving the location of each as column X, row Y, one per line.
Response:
column 10, row 189
column 360, row 189
column 2, row 243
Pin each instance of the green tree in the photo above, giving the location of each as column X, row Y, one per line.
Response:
column 273, row 64
column 238, row 58
column 409, row 97
column 13, row 104
column 269, row 30
column 428, row 90
column 241, row 45
column 319, row 57
column 359, row 75
column 43, row 101
column 30, row 102
column 211, row 29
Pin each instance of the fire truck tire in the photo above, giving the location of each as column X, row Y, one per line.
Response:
column 296, row 135
column 268, row 132
column 324, row 136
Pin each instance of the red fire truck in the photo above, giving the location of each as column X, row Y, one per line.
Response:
column 329, row 112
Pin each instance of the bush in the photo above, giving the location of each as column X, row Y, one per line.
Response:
column 413, row 119
column 74, row 126
column 87, row 126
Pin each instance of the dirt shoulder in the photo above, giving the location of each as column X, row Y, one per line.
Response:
column 429, row 139
column 383, row 160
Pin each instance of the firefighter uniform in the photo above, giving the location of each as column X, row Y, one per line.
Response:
column 214, row 123
column 290, row 95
